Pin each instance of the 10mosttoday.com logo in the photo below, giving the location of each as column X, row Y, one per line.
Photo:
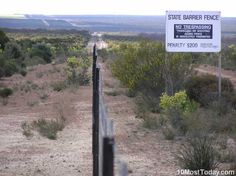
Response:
column 187, row 172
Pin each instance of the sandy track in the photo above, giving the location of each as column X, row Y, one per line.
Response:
column 146, row 152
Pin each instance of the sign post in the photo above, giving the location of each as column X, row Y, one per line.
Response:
column 194, row 31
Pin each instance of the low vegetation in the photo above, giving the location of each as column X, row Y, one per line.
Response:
column 59, row 86
column 171, row 99
column 4, row 94
column 198, row 153
column 204, row 89
column 113, row 93
column 77, row 71
column 49, row 128
column 23, row 48
column 46, row 127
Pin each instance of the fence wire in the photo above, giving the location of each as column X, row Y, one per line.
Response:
column 105, row 151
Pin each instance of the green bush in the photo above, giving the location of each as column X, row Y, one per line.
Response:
column 49, row 128
column 77, row 71
column 43, row 51
column 23, row 72
column 72, row 69
column 3, row 39
column 34, row 60
column 145, row 69
column 146, row 103
column 10, row 67
column 178, row 110
column 135, row 64
column 13, row 51
column 198, row 153
column 179, row 100
column 5, row 92
column 144, row 66
column 204, row 89
column 12, row 60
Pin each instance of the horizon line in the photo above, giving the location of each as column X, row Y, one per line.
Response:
column 2, row 15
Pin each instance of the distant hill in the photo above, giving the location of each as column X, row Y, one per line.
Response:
column 35, row 24
column 101, row 23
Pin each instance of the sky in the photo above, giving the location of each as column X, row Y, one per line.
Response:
column 114, row 7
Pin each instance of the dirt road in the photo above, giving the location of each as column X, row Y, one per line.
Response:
column 146, row 152
column 206, row 69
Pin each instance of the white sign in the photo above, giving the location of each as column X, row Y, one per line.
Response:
column 193, row 31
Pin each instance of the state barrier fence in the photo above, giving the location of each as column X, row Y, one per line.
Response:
column 103, row 142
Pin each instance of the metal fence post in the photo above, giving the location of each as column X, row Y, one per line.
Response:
column 96, row 125
column 108, row 156
column 95, row 113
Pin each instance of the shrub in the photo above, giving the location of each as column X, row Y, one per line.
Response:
column 146, row 103
column 23, row 72
column 3, row 39
column 13, row 51
column 168, row 132
column 180, row 101
column 10, row 68
column 72, row 70
column 136, row 62
column 26, row 129
column 130, row 93
column 43, row 51
column 198, row 153
column 204, row 89
column 43, row 95
column 113, row 93
column 5, row 92
column 77, row 71
column 49, row 128
column 34, row 60
column 150, row 121
column 59, row 86
column 177, row 120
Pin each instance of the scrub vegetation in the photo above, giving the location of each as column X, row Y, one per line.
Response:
column 171, row 98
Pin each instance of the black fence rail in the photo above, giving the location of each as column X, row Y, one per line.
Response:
column 103, row 147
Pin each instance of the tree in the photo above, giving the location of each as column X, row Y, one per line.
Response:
column 13, row 51
column 11, row 60
column 43, row 51
column 3, row 39
column 142, row 66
